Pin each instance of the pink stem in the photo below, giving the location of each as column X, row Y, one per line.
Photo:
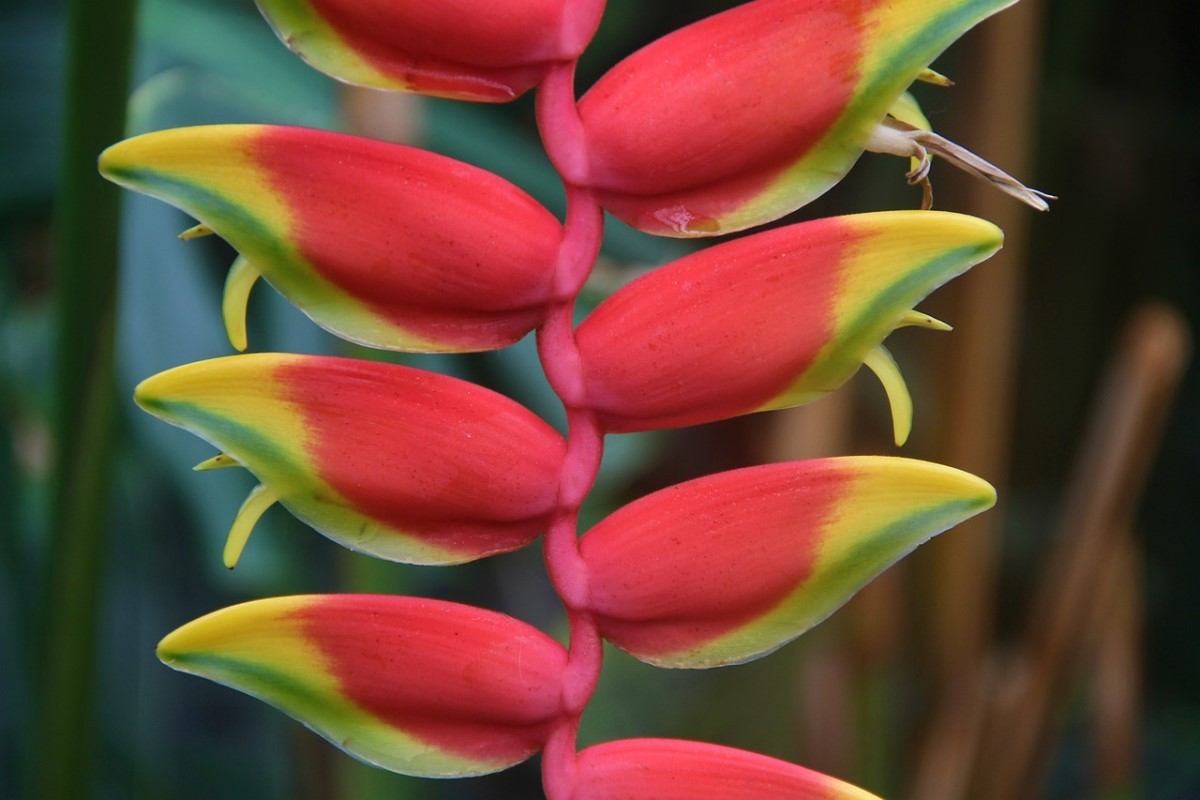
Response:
column 562, row 135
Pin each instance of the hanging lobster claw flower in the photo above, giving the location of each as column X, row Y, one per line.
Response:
column 381, row 244
column 676, row 769
column 490, row 51
column 421, row 687
column 772, row 320
column 396, row 462
column 745, row 116
column 728, row 568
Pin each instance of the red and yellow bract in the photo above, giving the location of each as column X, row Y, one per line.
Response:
column 768, row 321
column 423, row 687
column 728, row 568
column 397, row 462
column 745, row 116
column 382, row 244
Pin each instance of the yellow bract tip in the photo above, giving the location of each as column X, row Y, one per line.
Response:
column 880, row 362
column 928, row 75
column 260, row 499
column 918, row 319
column 224, row 632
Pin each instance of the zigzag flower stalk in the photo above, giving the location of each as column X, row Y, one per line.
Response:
column 724, row 125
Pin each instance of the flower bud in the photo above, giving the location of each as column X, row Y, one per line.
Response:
column 391, row 461
column 422, row 687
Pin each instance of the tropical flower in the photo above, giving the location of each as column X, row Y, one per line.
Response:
column 726, row 124
column 422, row 687
column 392, row 461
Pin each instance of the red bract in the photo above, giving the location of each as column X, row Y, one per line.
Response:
column 672, row 769
column 489, row 50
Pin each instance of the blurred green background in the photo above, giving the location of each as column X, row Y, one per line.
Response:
column 1112, row 125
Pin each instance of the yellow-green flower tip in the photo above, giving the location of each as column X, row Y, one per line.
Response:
column 391, row 461
column 421, row 687
column 728, row 568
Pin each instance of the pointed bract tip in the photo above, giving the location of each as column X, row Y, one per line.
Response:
column 219, row 461
column 929, row 479
column 919, row 319
column 196, row 231
column 930, row 76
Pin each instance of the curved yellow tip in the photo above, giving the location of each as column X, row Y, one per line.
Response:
column 241, row 279
column 918, row 319
column 260, row 499
column 880, row 362
column 928, row 75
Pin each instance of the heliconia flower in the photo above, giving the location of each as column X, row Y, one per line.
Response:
column 392, row 461
column 728, row 568
column 422, row 687
column 772, row 320
column 487, row 50
column 676, row 769
column 745, row 116
column 385, row 245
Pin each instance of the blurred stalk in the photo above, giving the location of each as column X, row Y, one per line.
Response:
column 979, row 393
column 980, row 388
column 1121, row 440
column 1116, row 712
column 99, row 45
